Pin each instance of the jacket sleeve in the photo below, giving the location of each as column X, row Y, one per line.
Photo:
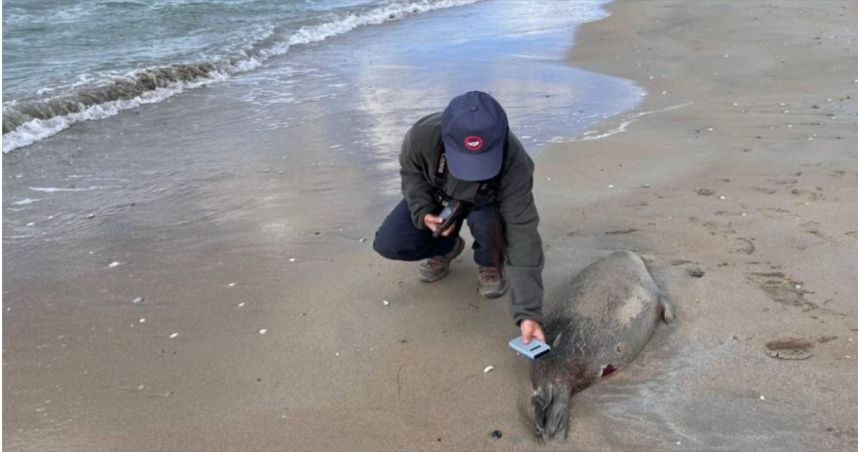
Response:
column 415, row 189
column 524, row 258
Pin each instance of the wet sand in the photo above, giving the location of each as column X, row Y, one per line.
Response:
column 744, row 168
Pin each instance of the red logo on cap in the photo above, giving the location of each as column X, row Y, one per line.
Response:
column 473, row 143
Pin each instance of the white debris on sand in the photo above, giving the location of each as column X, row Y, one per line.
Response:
column 174, row 335
column 385, row 302
column 241, row 304
column 488, row 369
column 232, row 284
column 138, row 300
column 142, row 321
column 114, row 264
column 263, row 331
column 291, row 259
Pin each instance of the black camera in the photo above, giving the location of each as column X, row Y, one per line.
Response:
column 452, row 211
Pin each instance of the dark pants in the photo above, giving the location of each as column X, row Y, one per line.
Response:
column 399, row 239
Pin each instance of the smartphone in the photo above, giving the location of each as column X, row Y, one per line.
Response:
column 450, row 214
column 532, row 351
column 446, row 212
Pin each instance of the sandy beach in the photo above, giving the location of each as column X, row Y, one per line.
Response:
column 269, row 324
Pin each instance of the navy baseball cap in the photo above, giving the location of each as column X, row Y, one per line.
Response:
column 474, row 129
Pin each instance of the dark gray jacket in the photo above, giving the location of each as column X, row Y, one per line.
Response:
column 524, row 259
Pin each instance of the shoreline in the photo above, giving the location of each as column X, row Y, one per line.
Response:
column 338, row 369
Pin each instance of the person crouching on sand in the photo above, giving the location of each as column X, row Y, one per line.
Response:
column 467, row 154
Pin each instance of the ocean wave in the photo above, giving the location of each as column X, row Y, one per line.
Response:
column 27, row 121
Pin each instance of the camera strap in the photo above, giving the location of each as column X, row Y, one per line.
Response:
column 486, row 194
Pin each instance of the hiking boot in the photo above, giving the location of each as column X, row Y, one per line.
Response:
column 437, row 267
column 491, row 281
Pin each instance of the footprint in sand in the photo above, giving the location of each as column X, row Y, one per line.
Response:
column 776, row 213
column 810, row 195
column 745, row 246
column 783, row 289
column 766, row 190
column 789, row 348
column 621, row 231
column 812, row 227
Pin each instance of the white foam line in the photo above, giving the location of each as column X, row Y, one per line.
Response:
column 25, row 201
column 59, row 189
column 37, row 129
column 623, row 125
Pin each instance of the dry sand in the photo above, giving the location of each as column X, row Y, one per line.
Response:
column 741, row 161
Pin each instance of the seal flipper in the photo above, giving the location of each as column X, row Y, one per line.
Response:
column 667, row 311
column 551, row 410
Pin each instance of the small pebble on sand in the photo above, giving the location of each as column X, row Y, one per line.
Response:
column 488, row 369
column 762, row 397
column 174, row 335
column 291, row 259
column 263, row 331
column 142, row 321
column 138, row 300
column 241, row 304
column 362, row 239
column 611, row 186
column 385, row 302
column 31, row 224
column 114, row 264
column 232, row 284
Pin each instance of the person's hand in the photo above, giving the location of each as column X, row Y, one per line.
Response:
column 432, row 222
column 529, row 329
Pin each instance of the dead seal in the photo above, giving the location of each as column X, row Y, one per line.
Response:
column 612, row 310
